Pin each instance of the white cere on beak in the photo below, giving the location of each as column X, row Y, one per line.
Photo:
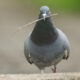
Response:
column 44, row 16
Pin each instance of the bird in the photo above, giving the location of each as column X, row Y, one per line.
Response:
column 46, row 45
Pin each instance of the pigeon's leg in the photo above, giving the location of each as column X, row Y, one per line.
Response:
column 54, row 69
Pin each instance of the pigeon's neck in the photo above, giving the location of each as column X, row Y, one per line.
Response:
column 44, row 32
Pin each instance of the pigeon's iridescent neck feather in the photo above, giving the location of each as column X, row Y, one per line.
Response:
column 44, row 33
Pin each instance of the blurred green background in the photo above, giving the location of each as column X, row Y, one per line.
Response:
column 57, row 5
column 16, row 13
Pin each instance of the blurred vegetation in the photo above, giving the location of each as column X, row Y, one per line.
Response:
column 57, row 5
column 54, row 5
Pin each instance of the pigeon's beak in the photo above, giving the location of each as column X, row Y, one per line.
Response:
column 44, row 15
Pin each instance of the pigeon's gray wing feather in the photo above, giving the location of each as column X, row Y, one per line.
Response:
column 67, row 49
column 66, row 44
column 27, row 54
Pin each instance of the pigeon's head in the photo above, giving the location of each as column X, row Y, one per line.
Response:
column 44, row 12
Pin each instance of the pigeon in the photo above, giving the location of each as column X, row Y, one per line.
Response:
column 46, row 45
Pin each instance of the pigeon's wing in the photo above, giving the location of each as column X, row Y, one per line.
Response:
column 66, row 44
column 66, row 48
column 27, row 53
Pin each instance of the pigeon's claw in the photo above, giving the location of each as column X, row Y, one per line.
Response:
column 66, row 55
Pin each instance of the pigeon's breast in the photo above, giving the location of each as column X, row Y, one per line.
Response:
column 47, row 53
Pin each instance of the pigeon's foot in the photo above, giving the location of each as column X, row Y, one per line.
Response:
column 54, row 69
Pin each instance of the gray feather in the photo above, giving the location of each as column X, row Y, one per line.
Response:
column 44, row 56
column 48, row 47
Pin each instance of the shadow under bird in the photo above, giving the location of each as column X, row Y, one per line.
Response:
column 46, row 45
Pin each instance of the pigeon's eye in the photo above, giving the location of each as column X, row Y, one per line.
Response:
column 47, row 12
column 41, row 12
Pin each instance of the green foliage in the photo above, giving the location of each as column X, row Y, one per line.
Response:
column 62, row 5
column 55, row 5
